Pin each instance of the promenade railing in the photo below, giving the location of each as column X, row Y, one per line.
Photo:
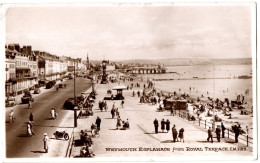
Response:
column 243, row 138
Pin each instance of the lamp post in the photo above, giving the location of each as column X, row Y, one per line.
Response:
column 75, row 100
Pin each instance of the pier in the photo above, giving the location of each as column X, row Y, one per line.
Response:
column 147, row 70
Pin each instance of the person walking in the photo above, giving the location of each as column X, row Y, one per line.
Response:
column 31, row 117
column 218, row 133
column 113, row 113
column 162, row 125
column 118, row 122
column 122, row 103
column 105, row 105
column 168, row 124
column 98, row 122
column 29, row 104
column 174, row 133
column 117, row 113
column 181, row 135
column 11, row 116
column 29, row 131
column 223, row 128
column 210, row 135
column 237, row 132
column 45, row 142
column 52, row 114
column 156, row 125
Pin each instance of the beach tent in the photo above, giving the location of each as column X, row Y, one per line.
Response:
column 177, row 104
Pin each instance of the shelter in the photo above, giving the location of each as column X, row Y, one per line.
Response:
column 119, row 89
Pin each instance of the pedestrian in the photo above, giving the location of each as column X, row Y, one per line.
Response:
column 31, row 127
column 105, row 105
column 210, row 135
column 29, row 131
column 113, row 106
column 172, row 111
column 237, row 132
column 45, row 142
column 181, row 135
column 122, row 103
column 156, row 125
column 162, row 125
column 52, row 114
column 223, row 128
column 174, row 133
column 117, row 112
column 98, row 122
column 11, row 116
column 218, row 133
column 113, row 113
column 29, row 105
column 31, row 117
column 168, row 124
column 118, row 122
column 55, row 114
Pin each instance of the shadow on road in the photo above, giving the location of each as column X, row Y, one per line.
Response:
column 38, row 151
column 109, row 118
column 48, row 119
column 167, row 141
column 23, row 135
column 52, row 126
column 113, row 129
column 204, row 141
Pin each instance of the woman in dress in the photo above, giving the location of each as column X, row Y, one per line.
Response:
column 181, row 136
column 168, row 123
column 163, row 125
column 118, row 123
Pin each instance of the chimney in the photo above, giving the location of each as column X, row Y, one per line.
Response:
column 24, row 50
column 29, row 50
column 11, row 47
column 17, row 47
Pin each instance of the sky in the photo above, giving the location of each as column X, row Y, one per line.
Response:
column 121, row 33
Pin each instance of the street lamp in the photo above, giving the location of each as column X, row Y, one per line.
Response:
column 75, row 100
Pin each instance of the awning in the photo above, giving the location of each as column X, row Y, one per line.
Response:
column 119, row 87
column 22, row 68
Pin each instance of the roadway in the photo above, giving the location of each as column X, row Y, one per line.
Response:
column 18, row 144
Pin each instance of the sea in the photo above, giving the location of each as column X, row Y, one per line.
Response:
column 217, row 81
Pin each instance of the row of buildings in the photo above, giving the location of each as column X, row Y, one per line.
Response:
column 25, row 68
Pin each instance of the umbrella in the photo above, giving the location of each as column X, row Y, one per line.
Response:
column 119, row 87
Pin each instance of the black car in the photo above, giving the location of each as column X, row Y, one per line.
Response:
column 69, row 104
column 50, row 84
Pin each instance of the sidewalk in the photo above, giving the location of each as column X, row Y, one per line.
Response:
column 141, row 133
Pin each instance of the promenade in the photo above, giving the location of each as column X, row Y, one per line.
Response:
column 141, row 136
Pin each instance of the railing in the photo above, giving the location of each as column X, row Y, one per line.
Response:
column 204, row 123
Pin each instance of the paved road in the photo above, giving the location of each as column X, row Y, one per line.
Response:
column 17, row 142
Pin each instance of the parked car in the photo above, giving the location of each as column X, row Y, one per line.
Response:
column 37, row 91
column 27, row 97
column 50, row 84
column 60, row 85
column 10, row 101
column 70, row 103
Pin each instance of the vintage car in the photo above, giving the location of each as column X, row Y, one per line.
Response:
column 27, row 97
column 10, row 101
column 70, row 103
column 60, row 85
column 50, row 84
column 37, row 90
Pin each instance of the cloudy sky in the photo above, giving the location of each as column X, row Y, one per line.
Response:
column 133, row 32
